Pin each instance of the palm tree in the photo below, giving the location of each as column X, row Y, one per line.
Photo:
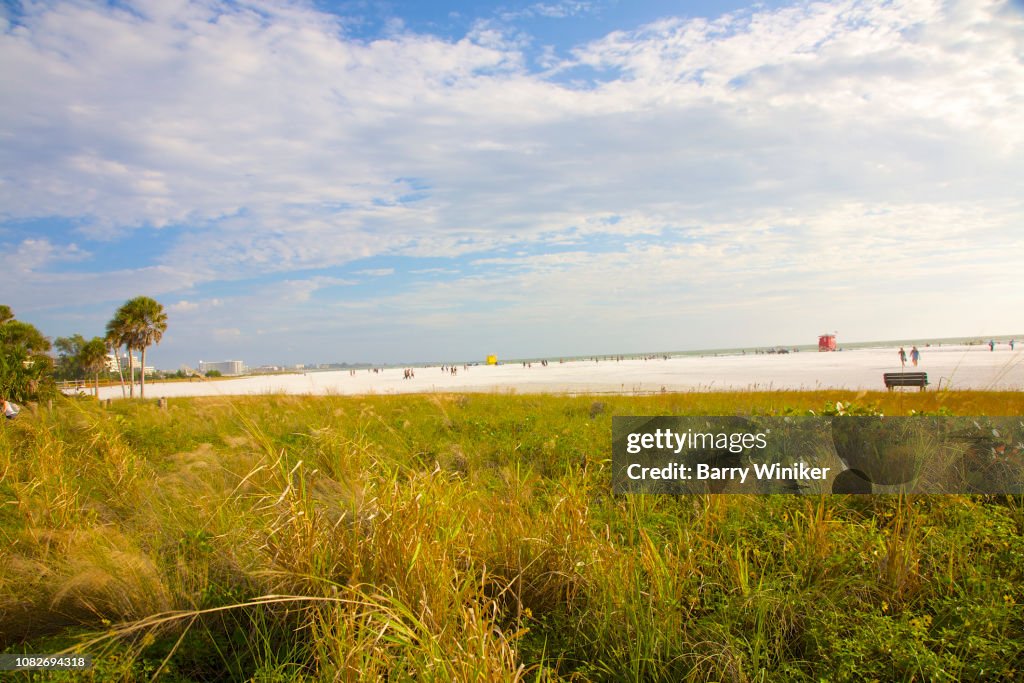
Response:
column 93, row 359
column 120, row 333
column 114, row 347
column 145, row 323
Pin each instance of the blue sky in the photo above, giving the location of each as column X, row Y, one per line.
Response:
column 405, row 181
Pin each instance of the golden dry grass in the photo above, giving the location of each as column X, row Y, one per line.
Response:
column 476, row 538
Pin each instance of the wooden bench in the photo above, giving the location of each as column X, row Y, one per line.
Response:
column 905, row 379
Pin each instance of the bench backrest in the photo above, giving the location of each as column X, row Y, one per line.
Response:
column 905, row 379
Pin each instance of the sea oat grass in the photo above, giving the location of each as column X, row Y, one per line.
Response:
column 444, row 537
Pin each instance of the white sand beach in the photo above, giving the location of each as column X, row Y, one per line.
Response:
column 956, row 367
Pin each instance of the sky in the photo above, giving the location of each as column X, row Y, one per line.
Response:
column 388, row 182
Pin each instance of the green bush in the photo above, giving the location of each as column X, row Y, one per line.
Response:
column 26, row 369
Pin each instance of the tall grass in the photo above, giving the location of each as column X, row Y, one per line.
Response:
column 476, row 538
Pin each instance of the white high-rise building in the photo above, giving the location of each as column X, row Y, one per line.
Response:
column 224, row 367
column 112, row 362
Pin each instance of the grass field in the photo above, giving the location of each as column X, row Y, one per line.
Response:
column 437, row 537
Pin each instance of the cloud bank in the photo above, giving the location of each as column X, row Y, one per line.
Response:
column 752, row 178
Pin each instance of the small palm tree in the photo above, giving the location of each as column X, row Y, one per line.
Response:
column 114, row 347
column 145, row 323
column 93, row 360
column 120, row 332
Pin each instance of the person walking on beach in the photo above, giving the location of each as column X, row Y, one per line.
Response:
column 915, row 356
column 903, row 357
column 991, row 345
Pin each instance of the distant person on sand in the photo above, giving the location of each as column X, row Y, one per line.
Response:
column 903, row 357
column 991, row 345
column 915, row 356
column 1012, row 342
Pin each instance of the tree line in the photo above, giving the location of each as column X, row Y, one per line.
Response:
column 28, row 370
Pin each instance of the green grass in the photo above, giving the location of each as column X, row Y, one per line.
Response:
column 475, row 537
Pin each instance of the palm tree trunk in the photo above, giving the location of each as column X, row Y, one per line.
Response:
column 120, row 370
column 131, row 373
column 142, row 375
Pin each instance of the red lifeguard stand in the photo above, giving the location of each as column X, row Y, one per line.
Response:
column 827, row 342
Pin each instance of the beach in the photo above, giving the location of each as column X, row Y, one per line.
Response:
column 954, row 367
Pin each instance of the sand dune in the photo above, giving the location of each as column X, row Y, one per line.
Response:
column 958, row 367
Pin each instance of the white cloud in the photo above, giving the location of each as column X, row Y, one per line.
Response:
column 295, row 291
column 183, row 306
column 809, row 146
column 550, row 10
column 226, row 334
column 33, row 253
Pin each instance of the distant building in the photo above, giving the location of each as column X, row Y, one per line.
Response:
column 266, row 368
column 112, row 361
column 224, row 367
